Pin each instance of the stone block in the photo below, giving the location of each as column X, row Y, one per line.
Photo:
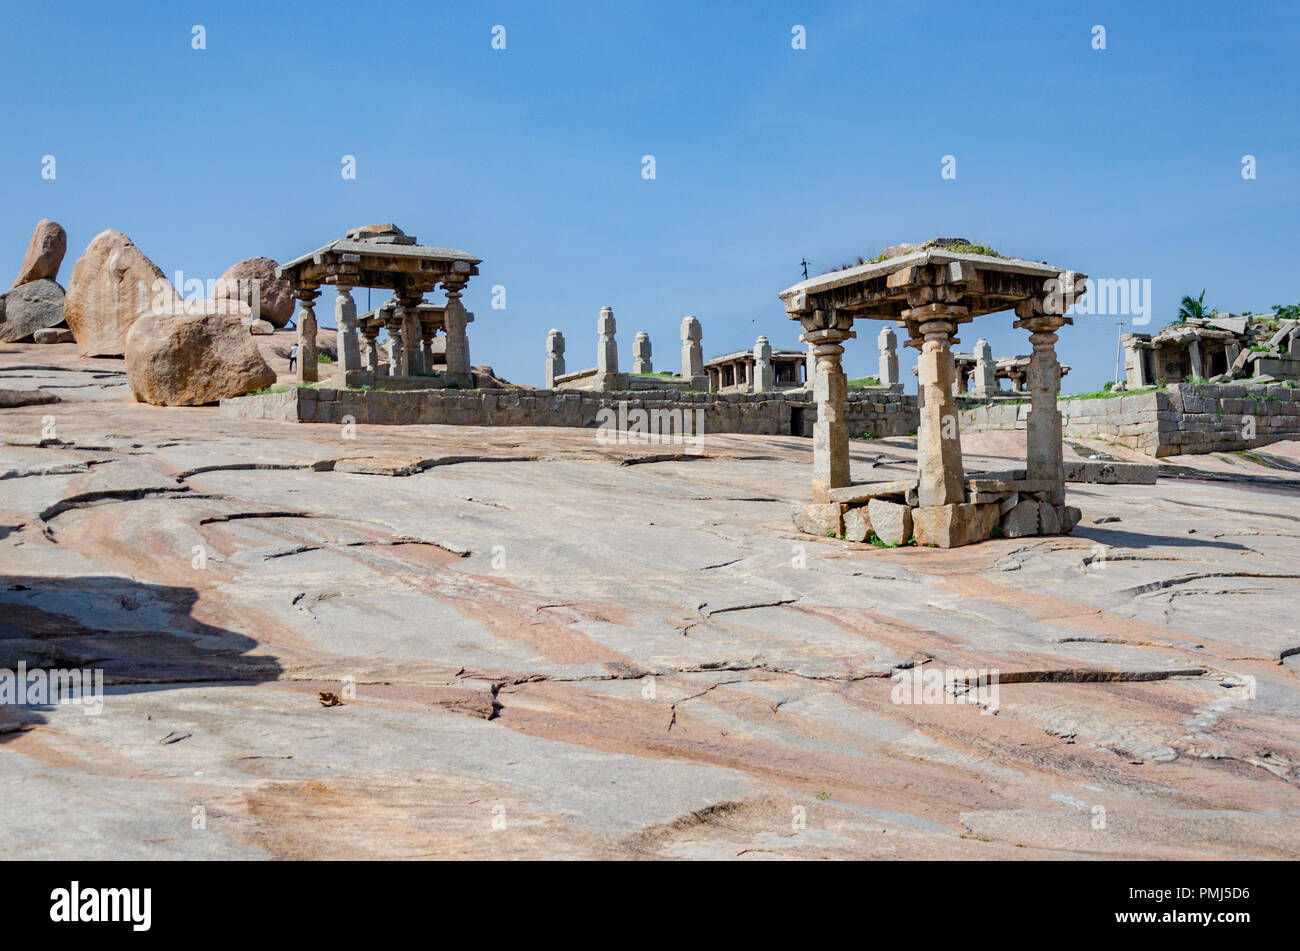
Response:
column 891, row 521
column 1022, row 520
column 857, row 524
column 820, row 518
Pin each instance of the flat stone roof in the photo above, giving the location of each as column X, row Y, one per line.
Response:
column 738, row 354
column 987, row 284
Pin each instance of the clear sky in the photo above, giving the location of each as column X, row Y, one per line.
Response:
column 1122, row 163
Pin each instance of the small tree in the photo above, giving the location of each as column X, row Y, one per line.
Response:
column 1192, row 308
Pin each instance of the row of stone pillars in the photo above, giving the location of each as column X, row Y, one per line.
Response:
column 940, row 474
column 607, row 352
column 411, row 341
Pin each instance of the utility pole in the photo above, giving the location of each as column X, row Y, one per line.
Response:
column 1119, row 347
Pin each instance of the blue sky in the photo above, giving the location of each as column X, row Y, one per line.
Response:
column 1122, row 163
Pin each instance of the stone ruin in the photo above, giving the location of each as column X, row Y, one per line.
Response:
column 605, row 376
column 1216, row 349
column 979, row 375
column 383, row 256
column 930, row 292
column 760, row 370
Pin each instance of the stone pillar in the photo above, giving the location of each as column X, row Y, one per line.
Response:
column 455, row 321
column 606, row 351
column 345, row 318
column 308, row 370
column 554, row 357
column 408, row 314
column 1044, row 453
column 830, row 388
column 641, row 353
column 986, row 370
column 1232, row 350
column 1194, row 354
column 939, row 467
column 370, row 350
column 427, row 333
column 396, row 352
column 693, row 354
column 764, row 375
column 888, row 341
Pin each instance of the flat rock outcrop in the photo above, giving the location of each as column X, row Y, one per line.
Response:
column 29, row 308
column 182, row 358
column 112, row 283
column 44, row 253
column 274, row 296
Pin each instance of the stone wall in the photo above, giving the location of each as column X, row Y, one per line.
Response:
column 1184, row 418
column 875, row 412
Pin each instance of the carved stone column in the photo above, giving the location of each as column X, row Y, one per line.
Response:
column 370, row 349
column 554, row 357
column 345, row 318
column 888, row 341
column 939, row 469
column 1044, row 453
column 641, row 362
column 455, row 320
column 409, row 314
column 396, row 349
column 764, row 375
column 427, row 333
column 307, row 366
column 826, row 333
column 693, row 355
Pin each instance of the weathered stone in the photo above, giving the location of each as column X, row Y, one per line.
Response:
column 44, row 254
column 1069, row 516
column 261, row 328
column 112, row 284
column 28, row 308
column 54, row 335
column 857, row 524
column 1021, row 521
column 902, row 489
column 951, row 526
column 891, row 521
column 253, row 282
column 180, row 359
column 820, row 518
column 1049, row 520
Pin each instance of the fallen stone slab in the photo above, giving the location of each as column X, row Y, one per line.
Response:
column 1109, row 473
column 54, row 335
column 819, row 518
column 865, row 492
column 9, row 399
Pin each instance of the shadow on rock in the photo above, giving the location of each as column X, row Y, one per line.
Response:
column 134, row 634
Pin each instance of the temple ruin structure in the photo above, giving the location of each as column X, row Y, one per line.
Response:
column 383, row 256
column 931, row 293
column 1215, row 349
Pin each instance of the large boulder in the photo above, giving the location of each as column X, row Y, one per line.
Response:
column 28, row 308
column 44, row 253
column 274, row 296
column 175, row 358
column 112, row 284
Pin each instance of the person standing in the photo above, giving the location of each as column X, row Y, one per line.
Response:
column 293, row 358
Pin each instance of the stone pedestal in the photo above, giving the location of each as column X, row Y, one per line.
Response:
column 764, row 374
column 986, row 370
column 641, row 354
column 345, row 318
column 554, row 357
column 693, row 354
column 308, row 370
column 607, row 376
column 938, row 441
column 888, row 341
